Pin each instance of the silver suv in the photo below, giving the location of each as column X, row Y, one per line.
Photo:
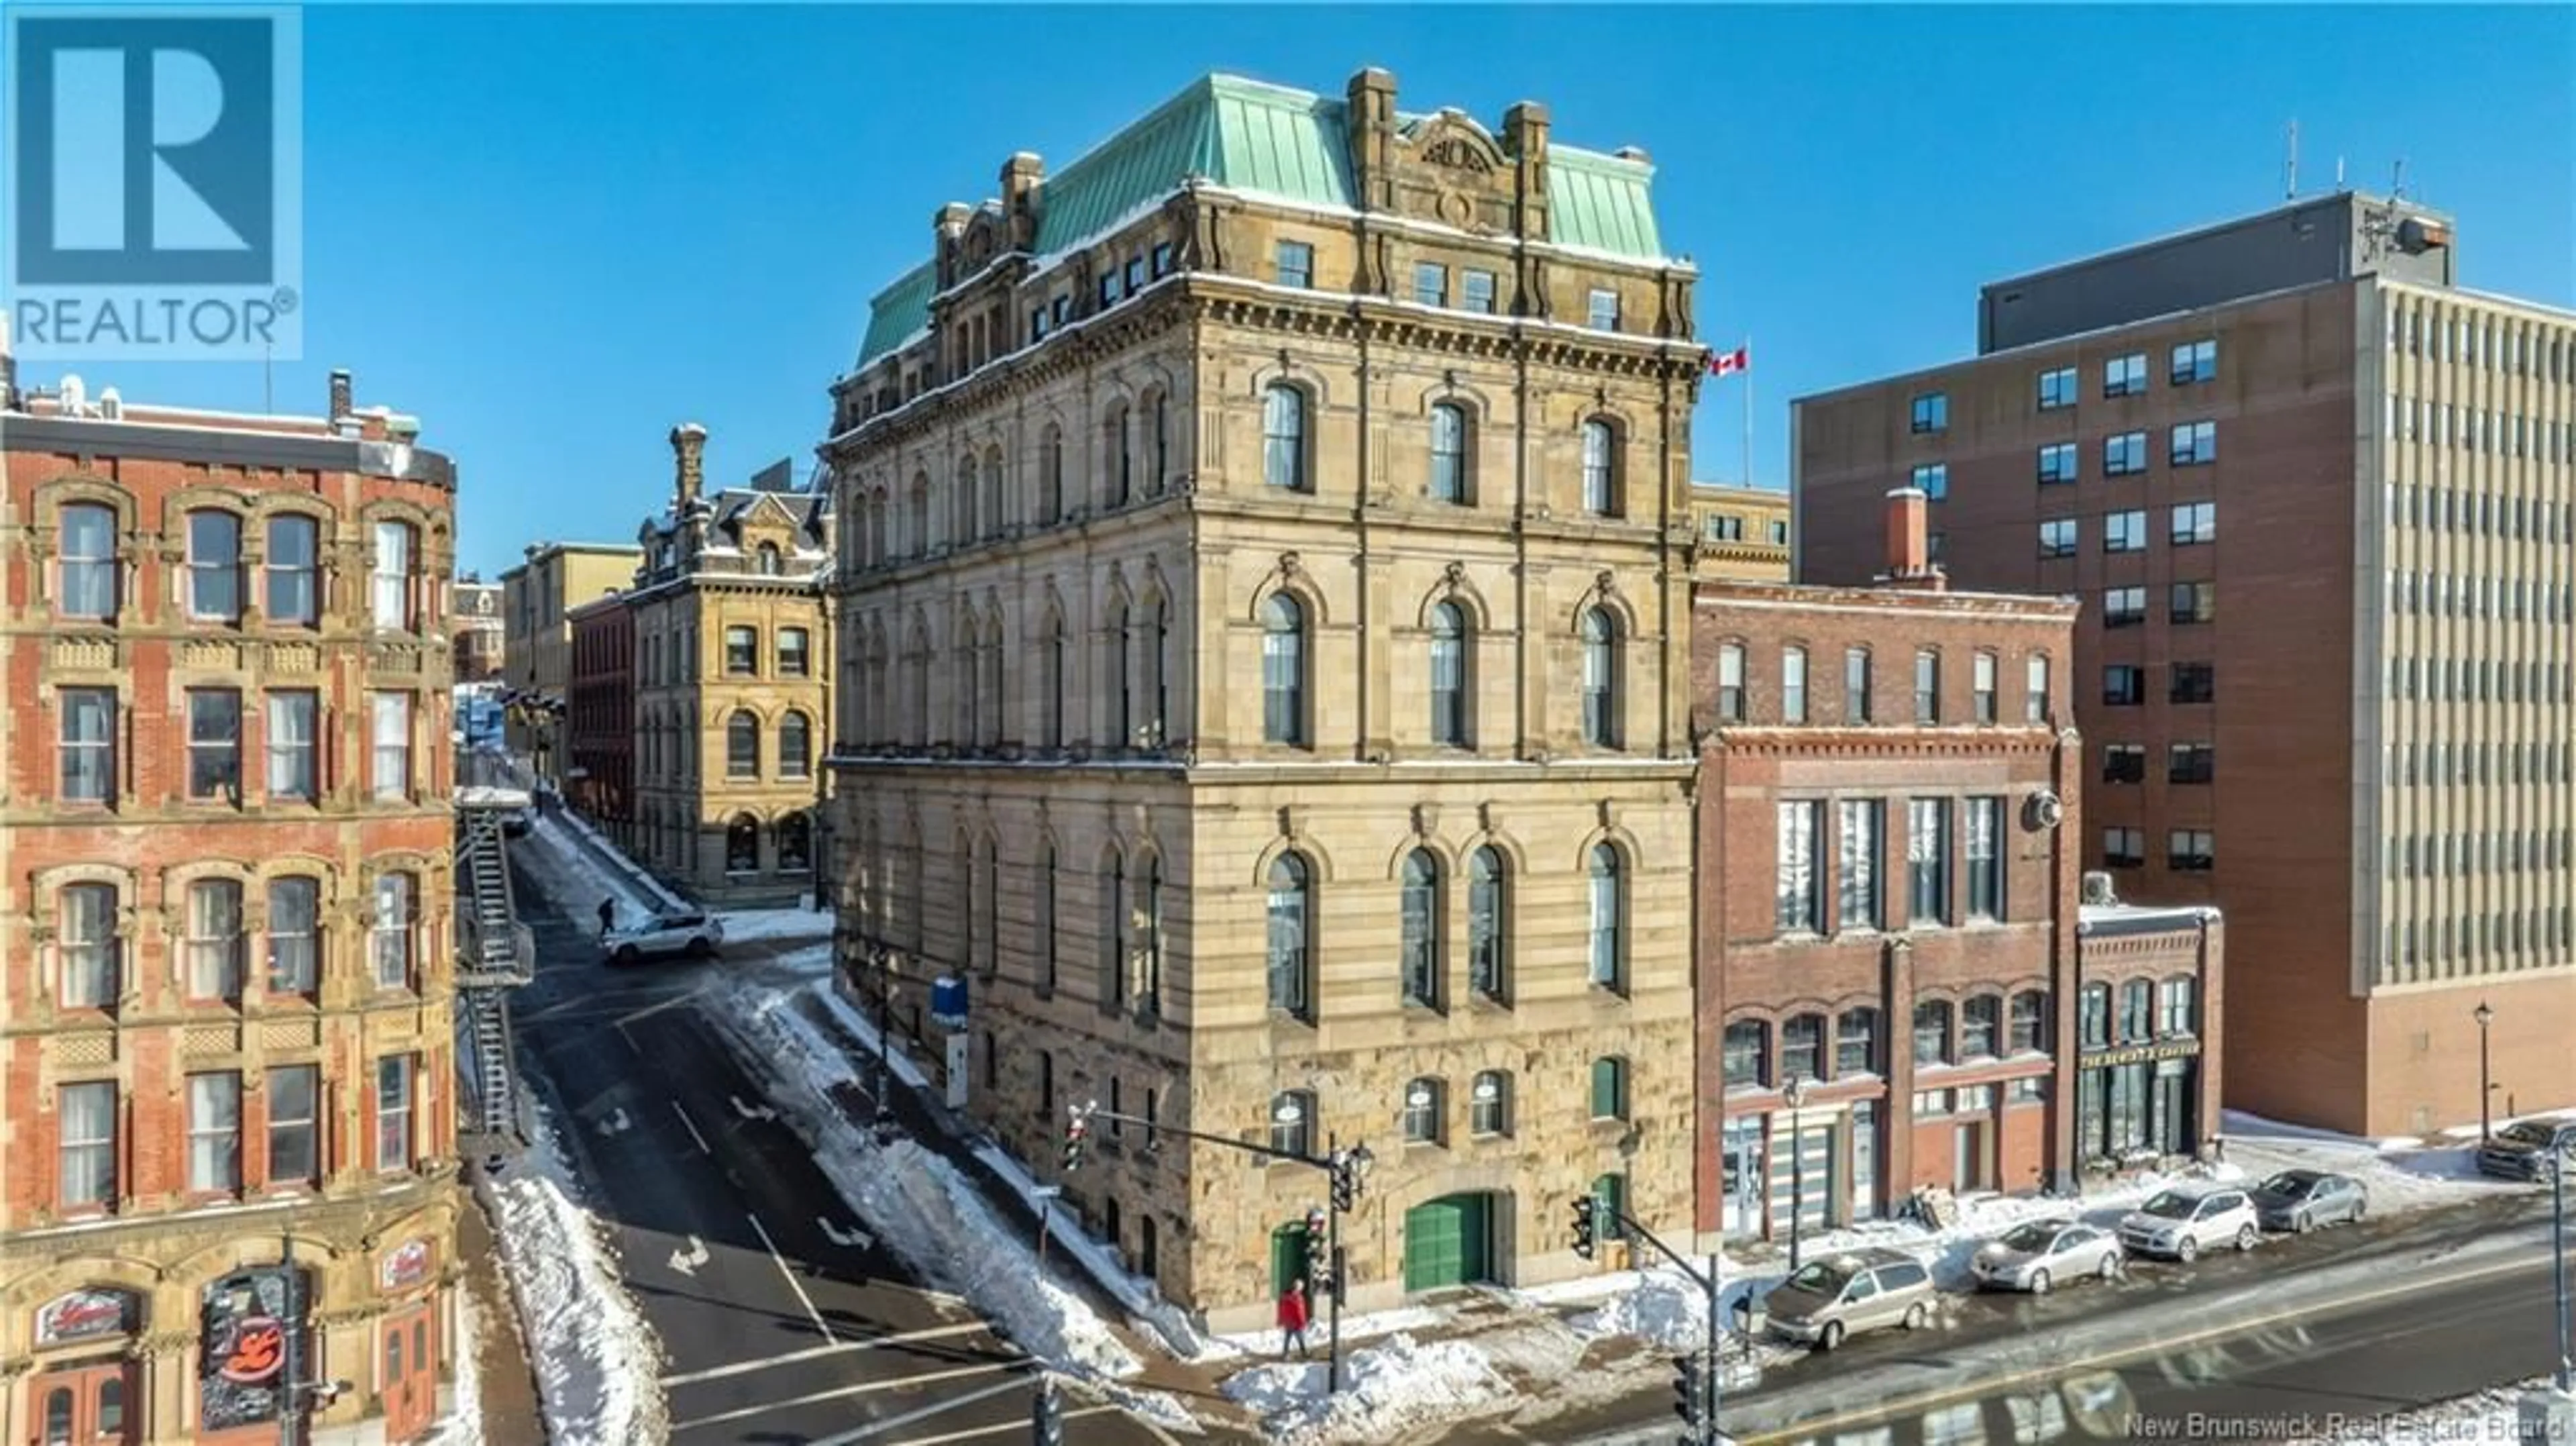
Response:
column 2181, row 1224
column 2522, row 1151
column 695, row 934
column 1856, row 1290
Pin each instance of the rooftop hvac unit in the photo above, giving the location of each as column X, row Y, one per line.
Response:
column 2097, row 888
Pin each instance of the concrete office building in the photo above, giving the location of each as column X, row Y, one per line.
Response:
column 2315, row 496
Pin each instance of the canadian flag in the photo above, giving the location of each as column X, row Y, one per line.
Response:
column 1728, row 363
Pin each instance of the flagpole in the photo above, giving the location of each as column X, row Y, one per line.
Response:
column 1747, row 354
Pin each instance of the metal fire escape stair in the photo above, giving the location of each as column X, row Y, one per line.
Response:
column 495, row 954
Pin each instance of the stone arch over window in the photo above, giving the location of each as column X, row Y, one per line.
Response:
column 769, row 562
column 1117, row 677
column 1603, row 470
column 1450, row 661
column 91, row 520
column 1287, row 436
column 742, row 845
column 1289, row 886
column 1154, row 664
column 214, row 550
column 1608, row 866
column 1489, row 872
column 1603, row 635
column 1110, row 892
column 742, row 744
column 1421, row 959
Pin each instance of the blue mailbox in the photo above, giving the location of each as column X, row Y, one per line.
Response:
column 948, row 1002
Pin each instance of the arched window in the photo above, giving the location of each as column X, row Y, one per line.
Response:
column 1600, row 678
column 1160, row 458
column 995, row 506
column 1283, row 437
column 1158, row 674
column 1981, row 1027
column 795, row 843
column 1932, row 1032
column 1600, row 470
column 397, row 920
column 1419, row 949
column 742, row 845
column 1487, row 924
column 389, row 583
column 795, row 746
column 1746, row 1055
column 1290, row 959
column 1283, row 671
column 1448, row 453
column 1113, row 932
column 1149, row 946
column 1051, row 725
column 970, row 680
column 1120, row 643
column 964, row 504
column 1609, row 919
column 1856, row 1042
column 1118, row 456
column 917, row 519
column 742, row 745
column 767, row 559
column 1610, row 1088
column 86, row 562
column 1425, row 1111
column 293, row 569
column 87, row 947
column 1802, row 1048
column 1051, row 476
column 988, row 729
column 214, row 565
column 1449, row 708
column 1292, row 1122
column 917, row 688
column 214, row 940
column 1489, row 1103
column 1046, row 944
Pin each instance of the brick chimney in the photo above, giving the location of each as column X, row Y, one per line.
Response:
column 341, row 404
column 1909, row 542
column 689, row 452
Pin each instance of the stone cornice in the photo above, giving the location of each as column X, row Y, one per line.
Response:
column 1955, row 741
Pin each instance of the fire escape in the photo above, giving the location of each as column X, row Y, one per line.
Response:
column 495, row 954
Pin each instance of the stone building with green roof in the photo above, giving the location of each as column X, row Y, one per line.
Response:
column 1264, row 588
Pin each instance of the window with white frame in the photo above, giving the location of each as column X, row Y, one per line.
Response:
column 1283, row 438
column 1600, row 678
column 1604, row 310
column 1927, row 860
column 1600, row 470
column 1476, row 291
column 87, row 947
column 390, row 755
column 1981, row 686
column 1984, row 858
column 294, row 1094
column 397, row 921
column 294, row 935
column 1489, row 1104
column 1448, row 453
column 214, row 566
column 1449, row 692
column 1858, row 896
column 214, row 744
column 1430, row 284
column 1426, row 1109
column 2034, row 688
column 1292, row 1123
column 88, row 744
column 85, row 561
column 293, row 746
column 1609, row 932
column 214, row 1134
column 395, row 1083
column 214, row 940
column 1800, row 876
column 2178, row 998
column 1730, row 683
column 390, row 581
column 1793, row 685
column 85, row 1152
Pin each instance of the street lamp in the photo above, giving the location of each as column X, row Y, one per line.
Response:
column 883, row 959
column 2486, row 1086
column 1796, row 1095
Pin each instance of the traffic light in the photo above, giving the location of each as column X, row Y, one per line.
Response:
column 1318, row 1264
column 1046, row 1416
column 1586, row 1229
column 1690, row 1393
column 1346, row 1186
column 1077, row 1135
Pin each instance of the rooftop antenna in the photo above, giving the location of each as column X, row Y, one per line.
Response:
column 2339, row 174
column 2293, row 180
column 2397, row 181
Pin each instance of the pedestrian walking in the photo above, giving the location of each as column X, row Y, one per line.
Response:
column 607, row 916
column 1292, row 1320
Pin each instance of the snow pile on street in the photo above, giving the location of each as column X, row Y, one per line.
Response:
column 746, row 926
column 463, row 1423
column 1273, row 1342
column 918, row 1205
column 1387, row 1390
column 598, row 1364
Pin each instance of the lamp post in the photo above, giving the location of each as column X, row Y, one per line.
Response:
column 2486, row 1086
column 884, row 961
column 1796, row 1094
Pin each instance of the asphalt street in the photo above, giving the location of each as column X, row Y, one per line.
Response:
column 781, row 1322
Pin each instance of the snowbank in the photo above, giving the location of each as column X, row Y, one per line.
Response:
column 598, row 1364
column 572, row 877
column 745, row 926
column 1387, row 1390
column 635, row 883
column 917, row 1204
column 463, row 1423
column 2401, row 1173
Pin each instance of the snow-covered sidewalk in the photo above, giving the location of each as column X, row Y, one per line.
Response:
column 598, row 1364
column 574, row 876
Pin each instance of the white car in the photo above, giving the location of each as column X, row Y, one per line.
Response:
column 697, row 935
column 2182, row 1223
column 2036, row 1254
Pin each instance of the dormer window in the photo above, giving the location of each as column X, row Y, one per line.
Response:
column 1605, row 310
column 1135, row 274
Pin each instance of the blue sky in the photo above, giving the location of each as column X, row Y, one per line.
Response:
column 552, row 233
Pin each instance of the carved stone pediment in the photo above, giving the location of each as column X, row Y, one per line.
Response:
column 1452, row 172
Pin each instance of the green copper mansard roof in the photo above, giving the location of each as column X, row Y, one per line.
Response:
column 1273, row 141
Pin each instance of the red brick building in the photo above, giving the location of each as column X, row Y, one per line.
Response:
column 2147, row 1031
column 599, row 721
column 1887, row 891
column 225, row 918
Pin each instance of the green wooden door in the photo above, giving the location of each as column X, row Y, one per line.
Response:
column 1448, row 1241
column 1287, row 1257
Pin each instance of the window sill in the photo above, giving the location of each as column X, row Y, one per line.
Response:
column 1489, row 1001
column 1291, row 1018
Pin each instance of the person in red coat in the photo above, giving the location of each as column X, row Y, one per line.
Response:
column 1293, row 1316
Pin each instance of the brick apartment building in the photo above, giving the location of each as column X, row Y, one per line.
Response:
column 1887, row 890
column 225, row 986
column 599, row 717
column 2316, row 499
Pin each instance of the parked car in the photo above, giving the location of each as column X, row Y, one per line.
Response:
column 2183, row 1223
column 697, row 935
column 2036, row 1254
column 517, row 822
column 1859, row 1290
column 2521, row 1151
column 2301, row 1200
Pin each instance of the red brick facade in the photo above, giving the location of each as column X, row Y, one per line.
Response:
column 225, row 886
column 1797, row 961
column 599, row 719
column 2148, row 1032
